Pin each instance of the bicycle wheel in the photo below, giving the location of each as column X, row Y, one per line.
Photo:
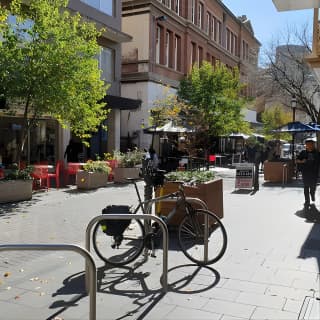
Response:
column 121, row 249
column 192, row 235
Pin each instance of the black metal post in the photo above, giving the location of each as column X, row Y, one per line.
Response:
column 293, row 134
column 146, row 173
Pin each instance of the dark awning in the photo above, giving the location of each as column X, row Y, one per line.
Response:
column 116, row 102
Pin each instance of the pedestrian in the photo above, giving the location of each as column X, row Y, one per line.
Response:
column 72, row 151
column 252, row 154
column 154, row 158
column 309, row 160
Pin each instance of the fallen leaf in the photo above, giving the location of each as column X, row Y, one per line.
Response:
column 16, row 297
column 7, row 274
column 34, row 279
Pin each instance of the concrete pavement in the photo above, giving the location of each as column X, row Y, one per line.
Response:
column 270, row 269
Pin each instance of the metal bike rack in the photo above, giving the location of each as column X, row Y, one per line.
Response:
column 165, row 236
column 191, row 200
column 91, row 269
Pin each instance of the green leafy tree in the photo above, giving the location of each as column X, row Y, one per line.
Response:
column 48, row 66
column 274, row 118
column 214, row 104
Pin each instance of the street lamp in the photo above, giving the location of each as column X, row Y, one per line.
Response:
column 293, row 106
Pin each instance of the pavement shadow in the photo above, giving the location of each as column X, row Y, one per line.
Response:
column 129, row 282
column 72, row 285
column 311, row 215
column 188, row 284
column 13, row 208
column 242, row 191
column 292, row 184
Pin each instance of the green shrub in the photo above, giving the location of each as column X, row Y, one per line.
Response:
column 188, row 176
column 129, row 159
column 14, row 173
column 96, row 166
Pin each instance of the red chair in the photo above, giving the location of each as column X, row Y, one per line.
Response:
column 212, row 158
column 112, row 164
column 56, row 174
column 40, row 174
column 71, row 170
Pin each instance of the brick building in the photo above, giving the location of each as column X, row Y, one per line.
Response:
column 168, row 38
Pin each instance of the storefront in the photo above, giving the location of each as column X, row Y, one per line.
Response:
column 41, row 143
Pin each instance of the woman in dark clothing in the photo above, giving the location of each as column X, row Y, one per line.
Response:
column 309, row 160
column 72, row 152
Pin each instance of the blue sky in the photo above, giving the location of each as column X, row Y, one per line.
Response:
column 266, row 21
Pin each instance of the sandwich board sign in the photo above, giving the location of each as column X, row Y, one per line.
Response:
column 244, row 175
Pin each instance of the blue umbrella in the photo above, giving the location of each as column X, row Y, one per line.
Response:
column 296, row 127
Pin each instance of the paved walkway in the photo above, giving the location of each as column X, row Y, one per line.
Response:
column 270, row 269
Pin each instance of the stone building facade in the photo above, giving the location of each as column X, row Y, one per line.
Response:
column 168, row 38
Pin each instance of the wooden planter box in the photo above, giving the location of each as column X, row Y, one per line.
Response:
column 15, row 190
column 210, row 192
column 278, row 171
column 120, row 174
column 91, row 180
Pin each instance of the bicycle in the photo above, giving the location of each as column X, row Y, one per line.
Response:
column 201, row 234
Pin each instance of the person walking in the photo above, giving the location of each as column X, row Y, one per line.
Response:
column 72, row 152
column 252, row 154
column 309, row 161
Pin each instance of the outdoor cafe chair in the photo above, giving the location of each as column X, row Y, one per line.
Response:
column 56, row 174
column 212, row 159
column 71, row 170
column 40, row 174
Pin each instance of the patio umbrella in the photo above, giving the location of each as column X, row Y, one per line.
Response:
column 169, row 127
column 296, row 127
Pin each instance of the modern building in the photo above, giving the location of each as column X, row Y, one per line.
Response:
column 48, row 140
column 168, row 38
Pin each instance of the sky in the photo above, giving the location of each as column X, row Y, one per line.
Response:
column 266, row 21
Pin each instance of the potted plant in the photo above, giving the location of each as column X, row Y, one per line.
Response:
column 128, row 165
column 94, row 175
column 204, row 186
column 16, row 184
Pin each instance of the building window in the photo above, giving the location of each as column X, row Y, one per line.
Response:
column 245, row 50
column 177, row 6
column 200, row 56
column 219, row 32
column 193, row 53
column 106, row 6
column 208, row 23
column 200, row 15
column 158, row 44
column 193, row 11
column 106, row 64
column 235, row 44
column 213, row 29
column 177, row 53
column 228, row 36
column 167, row 49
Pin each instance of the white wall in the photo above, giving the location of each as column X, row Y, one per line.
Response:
column 131, row 121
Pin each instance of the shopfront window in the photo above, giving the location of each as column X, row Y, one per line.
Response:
column 40, row 145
